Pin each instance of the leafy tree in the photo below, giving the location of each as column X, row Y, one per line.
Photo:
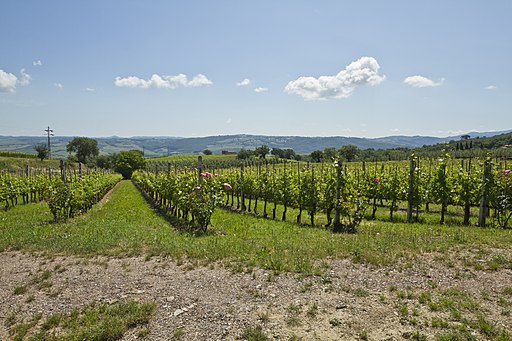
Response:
column 244, row 154
column 84, row 147
column 126, row 162
column 207, row 152
column 42, row 151
column 262, row 151
column 105, row 161
column 316, row 156
column 278, row 152
column 330, row 154
column 349, row 152
column 284, row 153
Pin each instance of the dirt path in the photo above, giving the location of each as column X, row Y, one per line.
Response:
column 348, row 302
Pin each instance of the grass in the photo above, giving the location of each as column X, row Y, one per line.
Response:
column 92, row 322
column 127, row 225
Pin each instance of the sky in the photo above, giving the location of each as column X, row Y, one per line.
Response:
column 290, row 67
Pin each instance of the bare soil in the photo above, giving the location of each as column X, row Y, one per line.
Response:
column 210, row 302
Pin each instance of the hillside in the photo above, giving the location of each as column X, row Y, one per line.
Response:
column 161, row 145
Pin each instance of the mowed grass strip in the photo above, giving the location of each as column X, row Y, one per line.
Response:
column 127, row 225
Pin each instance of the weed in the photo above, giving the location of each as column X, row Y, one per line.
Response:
column 143, row 332
column 293, row 319
column 254, row 334
column 438, row 322
column 425, row 298
column 361, row 292
column 178, row 334
column 20, row 290
column 335, row 322
column 312, row 310
column 306, row 287
column 363, row 335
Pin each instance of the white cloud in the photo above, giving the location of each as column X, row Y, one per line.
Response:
column 7, row 81
column 157, row 81
column 363, row 71
column 491, row 87
column 25, row 78
column 200, row 80
column 421, row 82
column 58, row 85
column 244, row 82
column 37, row 63
column 90, row 89
column 260, row 90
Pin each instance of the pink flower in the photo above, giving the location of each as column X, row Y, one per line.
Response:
column 197, row 188
column 376, row 180
column 203, row 175
column 227, row 186
column 506, row 172
column 216, row 174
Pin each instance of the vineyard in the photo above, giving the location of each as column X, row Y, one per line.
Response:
column 460, row 192
column 66, row 193
column 259, row 234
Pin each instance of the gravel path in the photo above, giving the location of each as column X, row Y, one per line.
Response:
column 210, row 302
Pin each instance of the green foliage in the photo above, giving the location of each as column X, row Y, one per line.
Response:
column 85, row 148
column 185, row 192
column 92, row 322
column 127, row 162
column 262, row 151
column 207, row 152
column 77, row 195
column 42, row 151
column 349, row 152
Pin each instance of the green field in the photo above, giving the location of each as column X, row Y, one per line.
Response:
column 128, row 225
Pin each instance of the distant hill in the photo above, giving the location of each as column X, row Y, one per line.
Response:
column 161, row 145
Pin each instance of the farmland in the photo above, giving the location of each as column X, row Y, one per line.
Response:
column 265, row 277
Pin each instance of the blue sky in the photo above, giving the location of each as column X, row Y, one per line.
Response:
column 310, row 68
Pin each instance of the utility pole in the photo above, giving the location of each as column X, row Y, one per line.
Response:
column 50, row 133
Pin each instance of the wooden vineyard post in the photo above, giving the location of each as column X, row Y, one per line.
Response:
column 484, row 198
column 199, row 169
column 79, row 169
column 242, row 194
column 336, row 227
column 62, row 171
column 410, row 190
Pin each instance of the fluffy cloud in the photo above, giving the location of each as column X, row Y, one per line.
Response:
column 363, row 71
column 58, row 85
column 244, row 82
column 259, row 90
column 7, row 81
column 421, row 82
column 157, row 81
column 37, row 63
column 491, row 87
column 90, row 89
column 25, row 78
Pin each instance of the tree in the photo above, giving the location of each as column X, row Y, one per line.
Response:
column 278, row 152
column 42, row 151
column 349, row 152
column 244, row 154
column 330, row 154
column 207, row 152
column 105, row 161
column 316, row 156
column 84, row 147
column 262, row 151
column 127, row 162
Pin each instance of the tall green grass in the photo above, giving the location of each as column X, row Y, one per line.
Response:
column 127, row 225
